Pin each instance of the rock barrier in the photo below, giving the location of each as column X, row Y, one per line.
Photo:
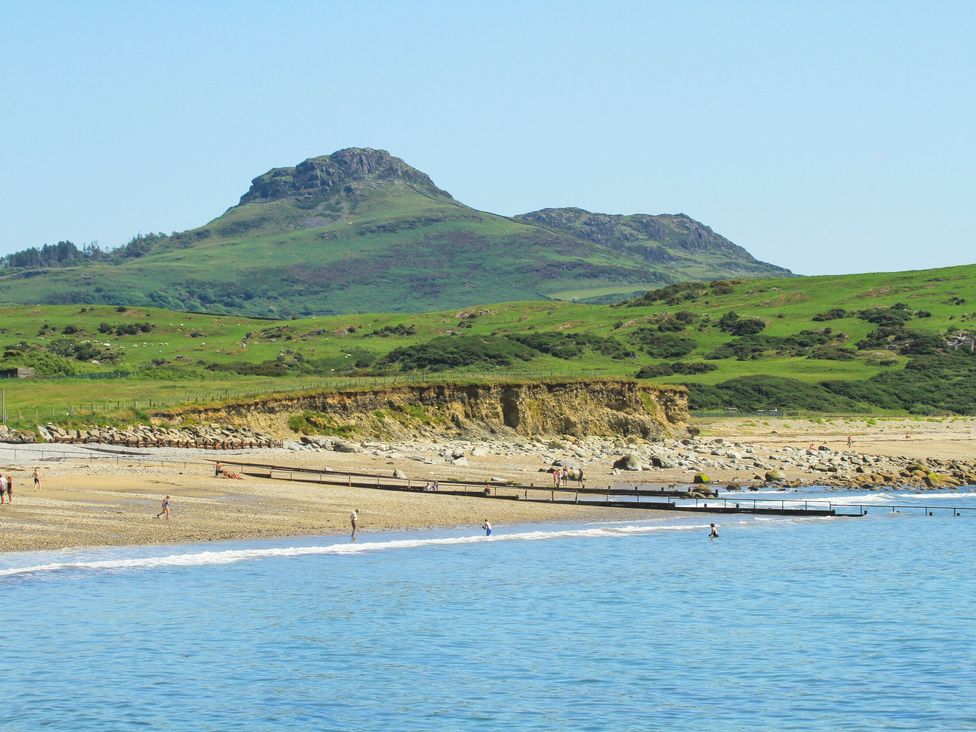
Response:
column 213, row 437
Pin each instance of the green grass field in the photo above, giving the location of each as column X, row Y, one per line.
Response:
column 176, row 357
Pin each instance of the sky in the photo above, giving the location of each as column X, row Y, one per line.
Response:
column 826, row 137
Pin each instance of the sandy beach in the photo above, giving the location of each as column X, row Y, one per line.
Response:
column 90, row 497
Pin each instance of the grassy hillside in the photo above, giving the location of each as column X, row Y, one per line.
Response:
column 841, row 343
column 362, row 231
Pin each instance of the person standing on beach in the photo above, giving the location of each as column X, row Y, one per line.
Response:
column 10, row 489
column 555, row 477
column 850, row 442
column 37, row 477
column 3, row 488
column 713, row 532
column 165, row 511
column 486, row 525
column 354, row 519
column 580, row 479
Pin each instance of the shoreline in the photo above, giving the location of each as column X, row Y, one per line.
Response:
column 91, row 498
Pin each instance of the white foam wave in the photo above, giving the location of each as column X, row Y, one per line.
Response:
column 930, row 496
column 858, row 500
column 232, row 556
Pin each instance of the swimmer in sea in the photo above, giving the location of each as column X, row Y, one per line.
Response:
column 713, row 532
column 486, row 525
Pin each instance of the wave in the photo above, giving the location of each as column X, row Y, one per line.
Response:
column 232, row 556
column 929, row 496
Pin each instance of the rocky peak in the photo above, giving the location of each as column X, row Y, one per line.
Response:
column 660, row 237
column 350, row 170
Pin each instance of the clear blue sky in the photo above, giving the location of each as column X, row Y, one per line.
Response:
column 822, row 136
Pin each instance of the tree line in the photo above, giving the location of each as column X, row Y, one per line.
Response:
column 68, row 254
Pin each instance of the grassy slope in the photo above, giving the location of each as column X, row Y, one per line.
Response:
column 787, row 305
column 400, row 250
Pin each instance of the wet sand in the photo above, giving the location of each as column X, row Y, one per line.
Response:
column 90, row 498
column 104, row 503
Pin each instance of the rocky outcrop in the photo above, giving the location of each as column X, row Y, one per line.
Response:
column 339, row 173
column 575, row 408
column 658, row 239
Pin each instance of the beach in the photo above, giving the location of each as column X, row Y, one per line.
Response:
column 90, row 496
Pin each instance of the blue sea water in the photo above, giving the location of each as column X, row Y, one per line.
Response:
column 780, row 624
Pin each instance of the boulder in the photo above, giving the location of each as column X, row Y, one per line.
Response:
column 772, row 476
column 630, row 461
column 343, row 446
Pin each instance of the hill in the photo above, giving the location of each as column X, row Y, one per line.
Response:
column 899, row 343
column 362, row 231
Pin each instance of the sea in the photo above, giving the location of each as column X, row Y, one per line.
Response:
column 781, row 623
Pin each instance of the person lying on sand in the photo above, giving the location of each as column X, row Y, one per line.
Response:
column 221, row 472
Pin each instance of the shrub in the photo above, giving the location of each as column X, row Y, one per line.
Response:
column 768, row 392
column 572, row 345
column 395, row 330
column 652, row 370
column 902, row 340
column 447, row 352
column 832, row 353
column 893, row 316
column 928, row 384
column 832, row 314
column 660, row 345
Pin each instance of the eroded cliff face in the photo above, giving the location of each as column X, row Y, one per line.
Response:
column 539, row 409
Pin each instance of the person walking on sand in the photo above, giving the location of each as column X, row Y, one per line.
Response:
column 10, row 489
column 354, row 520
column 37, row 477
column 3, row 488
column 850, row 442
column 165, row 511
column 712, row 532
column 580, row 478
column 486, row 525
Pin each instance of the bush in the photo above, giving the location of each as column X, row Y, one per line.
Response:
column 659, row 345
column 448, row 352
column 832, row 314
column 733, row 324
column 832, row 353
column 684, row 292
column 928, row 384
column 895, row 315
column 653, row 370
column 395, row 330
column 572, row 345
column 902, row 340
column 768, row 392
column 677, row 367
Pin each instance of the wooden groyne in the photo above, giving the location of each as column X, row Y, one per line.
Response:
column 610, row 497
